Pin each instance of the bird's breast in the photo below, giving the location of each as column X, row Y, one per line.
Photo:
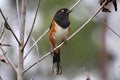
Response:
column 60, row 33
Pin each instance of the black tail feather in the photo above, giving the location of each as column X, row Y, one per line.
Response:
column 57, row 70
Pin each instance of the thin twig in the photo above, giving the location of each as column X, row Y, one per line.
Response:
column 18, row 11
column 8, row 60
column 35, row 43
column 2, row 32
column 32, row 24
column 8, row 26
column 2, row 44
column 37, row 50
column 78, row 30
column 110, row 28
column 75, row 4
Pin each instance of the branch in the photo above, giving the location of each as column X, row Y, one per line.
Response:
column 37, row 50
column 32, row 24
column 21, row 49
column 1, row 44
column 8, row 60
column 75, row 4
column 18, row 12
column 2, row 31
column 35, row 43
column 8, row 26
column 110, row 28
column 79, row 29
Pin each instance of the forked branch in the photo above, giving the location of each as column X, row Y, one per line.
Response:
column 8, row 26
column 32, row 24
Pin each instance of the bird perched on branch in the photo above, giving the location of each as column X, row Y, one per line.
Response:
column 108, row 1
column 59, row 31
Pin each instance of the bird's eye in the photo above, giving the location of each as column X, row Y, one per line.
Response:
column 62, row 11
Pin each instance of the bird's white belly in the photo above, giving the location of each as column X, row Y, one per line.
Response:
column 60, row 34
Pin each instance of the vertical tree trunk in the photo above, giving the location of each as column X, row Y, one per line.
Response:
column 21, row 49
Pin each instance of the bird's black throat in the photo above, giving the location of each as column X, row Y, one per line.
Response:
column 62, row 20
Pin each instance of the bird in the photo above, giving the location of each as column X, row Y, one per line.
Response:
column 59, row 32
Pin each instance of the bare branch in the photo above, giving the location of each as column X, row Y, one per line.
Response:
column 110, row 28
column 1, row 44
column 32, row 24
column 3, row 59
column 18, row 12
column 35, row 43
column 8, row 60
column 75, row 4
column 36, row 47
column 21, row 49
column 2, row 31
column 8, row 26
column 78, row 30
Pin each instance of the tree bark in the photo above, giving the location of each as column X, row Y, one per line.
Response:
column 21, row 49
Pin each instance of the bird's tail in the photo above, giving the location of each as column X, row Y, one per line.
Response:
column 57, row 70
column 115, row 4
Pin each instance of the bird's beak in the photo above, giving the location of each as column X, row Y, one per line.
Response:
column 69, row 11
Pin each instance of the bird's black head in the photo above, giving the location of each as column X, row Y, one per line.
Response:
column 62, row 17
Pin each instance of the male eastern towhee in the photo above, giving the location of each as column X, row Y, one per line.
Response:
column 59, row 30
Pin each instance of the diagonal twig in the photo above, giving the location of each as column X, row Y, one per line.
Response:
column 8, row 26
column 78, row 30
column 8, row 60
column 32, row 24
column 36, row 46
column 35, row 43
column 75, row 4
column 2, row 31
column 18, row 11
column 111, row 29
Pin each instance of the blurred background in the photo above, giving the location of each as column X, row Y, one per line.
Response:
column 95, row 48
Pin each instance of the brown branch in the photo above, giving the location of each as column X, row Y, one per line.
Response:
column 2, row 31
column 35, row 43
column 32, row 24
column 8, row 26
column 1, row 44
column 8, row 60
column 78, row 30
column 111, row 29
column 21, row 49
